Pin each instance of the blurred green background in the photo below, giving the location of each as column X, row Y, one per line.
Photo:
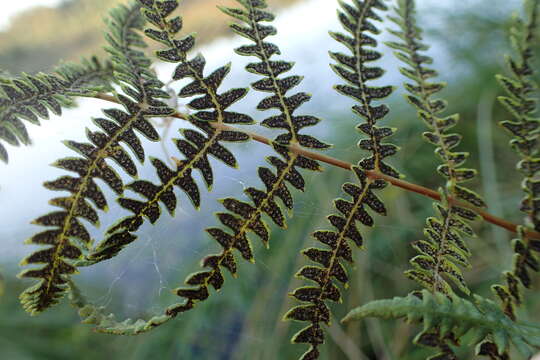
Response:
column 244, row 320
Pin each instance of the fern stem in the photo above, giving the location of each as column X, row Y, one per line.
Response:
column 372, row 174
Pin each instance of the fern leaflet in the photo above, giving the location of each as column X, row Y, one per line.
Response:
column 69, row 238
column 32, row 97
column 356, row 20
column 445, row 247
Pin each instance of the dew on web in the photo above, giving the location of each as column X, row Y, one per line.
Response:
column 237, row 181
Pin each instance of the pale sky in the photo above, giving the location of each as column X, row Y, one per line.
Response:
column 10, row 8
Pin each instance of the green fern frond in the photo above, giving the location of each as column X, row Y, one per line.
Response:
column 525, row 129
column 33, row 97
column 445, row 248
column 475, row 320
column 69, row 239
column 209, row 105
column 353, row 68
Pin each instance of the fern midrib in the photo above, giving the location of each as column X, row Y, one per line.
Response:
column 135, row 12
column 366, row 103
column 277, row 90
column 532, row 214
column 269, row 196
column 290, row 164
column 27, row 101
column 179, row 52
column 23, row 102
column 71, row 87
column 359, row 66
column 207, row 145
column 244, row 230
column 405, row 185
column 529, row 157
column 526, row 82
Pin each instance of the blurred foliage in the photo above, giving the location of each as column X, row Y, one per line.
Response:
column 244, row 322
column 38, row 38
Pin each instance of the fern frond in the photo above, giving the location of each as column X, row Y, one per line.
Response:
column 525, row 129
column 445, row 248
column 69, row 238
column 209, row 105
column 357, row 20
column 244, row 217
column 475, row 320
column 33, row 97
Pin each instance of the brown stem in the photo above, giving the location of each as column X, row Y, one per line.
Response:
column 370, row 173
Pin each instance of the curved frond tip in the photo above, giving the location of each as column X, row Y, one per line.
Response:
column 67, row 238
